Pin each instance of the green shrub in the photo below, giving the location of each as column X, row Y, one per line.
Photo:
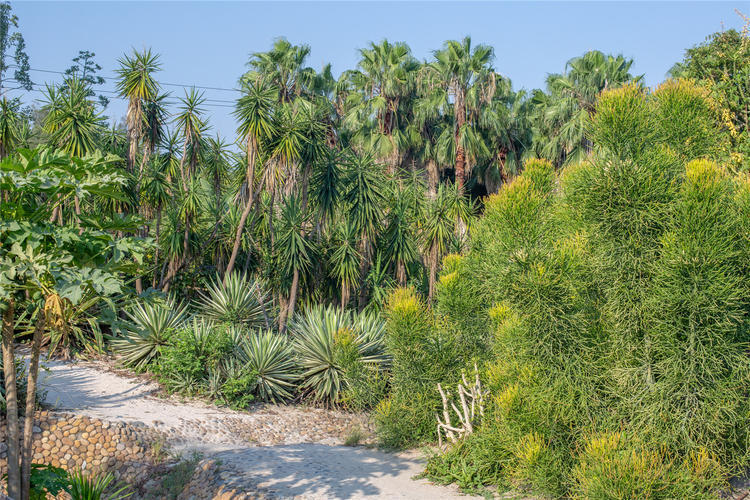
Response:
column 615, row 302
column 237, row 384
column 194, row 351
column 424, row 352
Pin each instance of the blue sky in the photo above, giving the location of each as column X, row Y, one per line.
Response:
column 208, row 43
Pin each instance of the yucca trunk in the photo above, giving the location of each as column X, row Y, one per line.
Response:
column 432, row 178
column 292, row 301
column 11, row 402
column 433, row 272
column 251, row 158
column 156, row 252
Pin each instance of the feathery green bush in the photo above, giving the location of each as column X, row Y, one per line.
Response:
column 614, row 297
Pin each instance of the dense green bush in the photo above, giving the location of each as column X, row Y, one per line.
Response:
column 424, row 351
column 614, row 298
column 193, row 353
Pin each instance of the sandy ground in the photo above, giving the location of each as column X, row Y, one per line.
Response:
column 294, row 467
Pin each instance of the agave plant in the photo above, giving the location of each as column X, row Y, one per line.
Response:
column 151, row 328
column 269, row 355
column 238, row 301
column 95, row 487
column 327, row 340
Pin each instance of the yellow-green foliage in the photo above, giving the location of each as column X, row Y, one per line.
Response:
column 614, row 299
column 424, row 351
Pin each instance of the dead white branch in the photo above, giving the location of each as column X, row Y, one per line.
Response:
column 471, row 398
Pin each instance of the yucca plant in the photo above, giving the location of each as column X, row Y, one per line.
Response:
column 269, row 355
column 93, row 487
column 239, row 301
column 151, row 328
column 327, row 341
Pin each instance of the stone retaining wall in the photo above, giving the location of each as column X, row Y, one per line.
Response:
column 128, row 450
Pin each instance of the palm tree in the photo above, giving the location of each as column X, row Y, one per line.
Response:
column 283, row 67
column 137, row 84
column 293, row 251
column 72, row 122
column 461, row 78
column 9, row 126
column 254, row 110
column 385, row 76
column 563, row 112
column 365, row 198
column 507, row 133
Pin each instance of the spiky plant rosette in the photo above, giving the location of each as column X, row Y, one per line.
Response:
column 151, row 327
column 239, row 301
column 327, row 340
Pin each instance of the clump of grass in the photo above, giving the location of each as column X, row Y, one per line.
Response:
column 354, row 437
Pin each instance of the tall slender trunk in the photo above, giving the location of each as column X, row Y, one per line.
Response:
column 142, row 232
column 250, row 177
column 344, row 295
column 156, row 253
column 433, row 272
column 28, row 425
column 433, row 178
column 364, row 267
column 11, row 402
column 401, row 273
column 292, row 300
column 460, row 116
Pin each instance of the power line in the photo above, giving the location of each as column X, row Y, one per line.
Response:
column 166, row 84
column 213, row 103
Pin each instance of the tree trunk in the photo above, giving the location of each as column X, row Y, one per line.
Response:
column 433, row 272
column 401, row 273
column 156, row 252
column 28, row 426
column 292, row 301
column 344, row 295
column 460, row 116
column 364, row 267
column 433, row 178
column 11, row 400
column 460, row 168
column 250, row 177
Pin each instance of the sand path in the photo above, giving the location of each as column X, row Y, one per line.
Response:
column 284, row 451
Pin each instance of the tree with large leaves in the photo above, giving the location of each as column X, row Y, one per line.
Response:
column 51, row 267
